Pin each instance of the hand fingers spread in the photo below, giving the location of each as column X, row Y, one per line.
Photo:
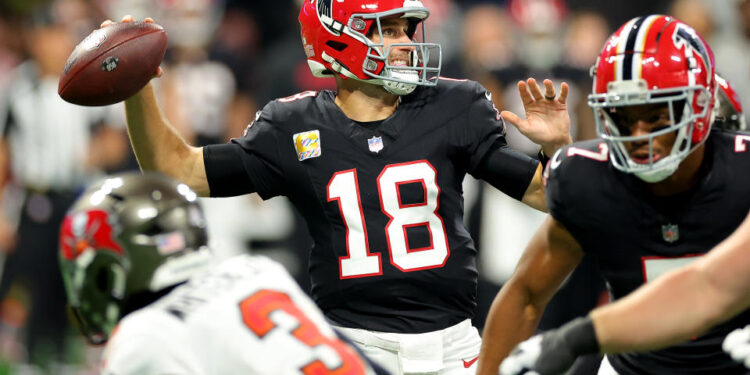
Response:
column 523, row 90
column 564, row 89
column 549, row 90
column 536, row 91
column 511, row 118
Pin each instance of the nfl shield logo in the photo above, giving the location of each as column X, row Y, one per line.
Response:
column 670, row 232
column 376, row 144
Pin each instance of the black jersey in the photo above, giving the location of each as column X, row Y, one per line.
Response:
column 382, row 201
column 636, row 237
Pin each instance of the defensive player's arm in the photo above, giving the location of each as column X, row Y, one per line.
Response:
column 137, row 347
column 159, row 147
column 550, row 256
column 703, row 294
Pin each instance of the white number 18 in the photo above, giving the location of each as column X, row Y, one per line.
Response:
column 359, row 261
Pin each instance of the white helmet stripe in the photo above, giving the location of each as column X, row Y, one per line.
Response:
column 628, row 48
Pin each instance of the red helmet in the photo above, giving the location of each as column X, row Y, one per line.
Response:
column 729, row 115
column 655, row 59
column 335, row 38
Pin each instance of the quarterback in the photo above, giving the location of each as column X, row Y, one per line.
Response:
column 375, row 168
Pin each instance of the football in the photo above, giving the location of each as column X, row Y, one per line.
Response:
column 112, row 63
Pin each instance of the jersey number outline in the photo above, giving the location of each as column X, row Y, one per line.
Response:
column 256, row 314
column 739, row 143
column 656, row 266
column 343, row 187
column 602, row 155
column 298, row 96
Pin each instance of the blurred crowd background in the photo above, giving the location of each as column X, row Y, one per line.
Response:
column 225, row 60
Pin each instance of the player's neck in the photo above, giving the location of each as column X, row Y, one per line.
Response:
column 688, row 174
column 364, row 102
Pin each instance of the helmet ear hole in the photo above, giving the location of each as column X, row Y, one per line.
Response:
column 338, row 46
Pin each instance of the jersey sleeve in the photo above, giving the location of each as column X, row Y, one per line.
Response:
column 488, row 155
column 248, row 164
column 135, row 349
column 484, row 128
column 574, row 179
column 554, row 191
column 507, row 170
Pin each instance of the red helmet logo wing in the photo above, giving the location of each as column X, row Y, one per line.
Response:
column 87, row 229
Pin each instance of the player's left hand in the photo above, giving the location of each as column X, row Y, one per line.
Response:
column 545, row 354
column 523, row 357
column 737, row 345
column 547, row 120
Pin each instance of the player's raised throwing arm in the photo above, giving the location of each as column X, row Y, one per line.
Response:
column 157, row 144
column 159, row 147
column 550, row 256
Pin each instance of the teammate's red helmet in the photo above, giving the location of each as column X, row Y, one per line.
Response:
column 655, row 59
column 729, row 115
column 335, row 38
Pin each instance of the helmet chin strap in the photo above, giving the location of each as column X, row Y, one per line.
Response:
column 401, row 88
column 658, row 175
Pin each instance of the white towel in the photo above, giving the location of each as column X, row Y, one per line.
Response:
column 421, row 353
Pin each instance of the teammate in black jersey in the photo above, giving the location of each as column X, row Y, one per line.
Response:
column 654, row 193
column 702, row 294
column 376, row 170
column 685, row 302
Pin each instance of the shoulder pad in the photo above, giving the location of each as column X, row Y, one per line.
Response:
column 298, row 96
column 574, row 175
column 739, row 140
column 593, row 151
column 281, row 109
column 452, row 84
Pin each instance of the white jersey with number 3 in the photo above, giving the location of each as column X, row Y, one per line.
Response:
column 247, row 315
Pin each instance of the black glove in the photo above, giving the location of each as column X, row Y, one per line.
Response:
column 552, row 352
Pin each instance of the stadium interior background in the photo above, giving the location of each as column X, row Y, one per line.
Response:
column 225, row 60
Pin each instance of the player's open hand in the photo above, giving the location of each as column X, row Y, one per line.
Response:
column 547, row 120
column 522, row 359
column 545, row 354
column 126, row 19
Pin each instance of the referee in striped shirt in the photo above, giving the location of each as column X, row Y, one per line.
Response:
column 48, row 150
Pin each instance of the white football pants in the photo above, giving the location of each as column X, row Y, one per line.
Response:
column 450, row 351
